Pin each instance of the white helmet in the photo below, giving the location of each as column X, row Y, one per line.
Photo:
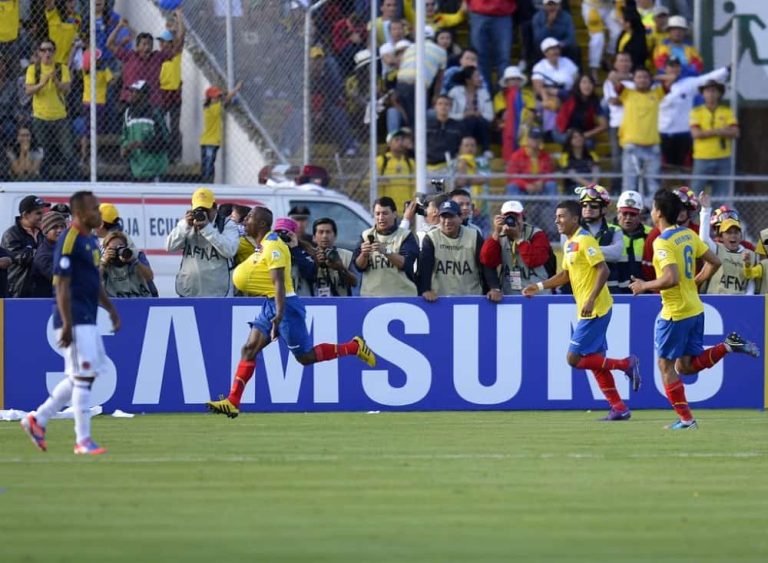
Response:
column 630, row 200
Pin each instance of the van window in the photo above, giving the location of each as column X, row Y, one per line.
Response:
column 349, row 223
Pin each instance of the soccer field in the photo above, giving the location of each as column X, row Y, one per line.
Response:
column 460, row 486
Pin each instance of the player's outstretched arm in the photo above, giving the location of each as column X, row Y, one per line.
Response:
column 670, row 277
column 560, row 278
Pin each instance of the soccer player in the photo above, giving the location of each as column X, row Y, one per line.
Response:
column 585, row 268
column 78, row 292
column 268, row 273
column 680, row 327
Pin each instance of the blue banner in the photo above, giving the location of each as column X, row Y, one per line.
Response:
column 172, row 355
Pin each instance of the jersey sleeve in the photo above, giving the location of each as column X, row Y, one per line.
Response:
column 62, row 257
column 665, row 252
column 276, row 256
column 592, row 251
column 701, row 247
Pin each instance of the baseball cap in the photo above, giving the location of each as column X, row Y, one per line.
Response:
column 728, row 223
column 677, row 21
column 212, row 92
column 512, row 206
column 50, row 220
column 396, row 133
column 109, row 213
column 429, row 32
column 552, row 1
column 660, row 9
column 165, row 36
column 139, row 85
column 450, row 208
column 299, row 212
column 316, row 51
column 630, row 201
column 548, row 43
column 285, row 224
column 203, row 197
column 31, row 203
column 386, row 49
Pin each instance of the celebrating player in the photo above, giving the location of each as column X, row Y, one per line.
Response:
column 680, row 327
column 267, row 273
column 78, row 291
column 585, row 268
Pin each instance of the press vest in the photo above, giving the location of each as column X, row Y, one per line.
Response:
column 729, row 279
column 382, row 279
column 634, row 245
column 125, row 281
column 328, row 282
column 511, row 260
column 456, row 270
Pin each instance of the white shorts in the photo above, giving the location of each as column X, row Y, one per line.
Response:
column 85, row 357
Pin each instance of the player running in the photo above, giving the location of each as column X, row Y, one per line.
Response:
column 680, row 326
column 585, row 268
column 268, row 273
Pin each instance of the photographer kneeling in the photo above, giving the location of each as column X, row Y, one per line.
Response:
column 122, row 273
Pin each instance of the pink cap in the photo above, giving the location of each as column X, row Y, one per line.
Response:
column 285, row 224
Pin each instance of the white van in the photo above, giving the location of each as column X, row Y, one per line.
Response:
column 150, row 211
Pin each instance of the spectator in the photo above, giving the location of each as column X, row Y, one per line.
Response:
column 676, row 47
column 449, row 262
column 143, row 64
column 170, row 84
column 713, row 127
column 384, row 22
column 24, row 158
column 531, row 159
column 208, row 243
column 630, row 206
column 660, row 27
column 9, row 31
column 552, row 21
column 491, row 26
column 734, row 277
column 552, row 77
column 443, row 135
column 473, row 108
column 5, row 263
column 582, row 111
column 578, row 161
column 639, row 131
column 62, row 30
column 386, row 255
column 210, row 139
column 675, row 111
column 453, row 76
column 433, row 18
column 594, row 200
column 467, row 165
column 521, row 252
column 41, row 274
column 303, row 268
column 463, row 199
column 48, row 83
column 237, row 215
column 632, row 39
column 301, row 214
column 395, row 162
column 104, row 77
column 9, row 105
column 524, row 12
column 106, row 22
column 435, row 60
column 22, row 241
column 144, row 140
column 122, row 273
column 622, row 72
column 444, row 39
column 334, row 277
column 515, row 107
column 429, row 207
column 599, row 16
column 349, row 35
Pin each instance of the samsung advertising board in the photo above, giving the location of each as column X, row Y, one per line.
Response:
column 172, row 355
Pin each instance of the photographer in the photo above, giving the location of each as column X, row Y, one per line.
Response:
column 333, row 277
column 522, row 250
column 426, row 206
column 21, row 241
column 208, row 243
column 41, row 274
column 121, row 272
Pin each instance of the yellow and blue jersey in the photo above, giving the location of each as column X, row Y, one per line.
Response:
column 681, row 247
column 77, row 257
column 253, row 276
column 580, row 256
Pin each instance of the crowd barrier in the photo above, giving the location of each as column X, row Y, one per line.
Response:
column 172, row 355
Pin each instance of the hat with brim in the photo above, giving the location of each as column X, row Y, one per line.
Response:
column 549, row 43
column 362, row 58
column 450, row 207
column 677, row 22
column 299, row 212
column 728, row 223
column 109, row 213
column 212, row 92
column 139, row 86
column 512, row 206
column 203, row 197
column 712, row 84
column 512, row 73
column 165, row 36
column 285, row 224
column 32, row 203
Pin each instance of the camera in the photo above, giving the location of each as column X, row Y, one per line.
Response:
column 200, row 214
column 122, row 254
column 438, row 184
column 332, row 255
column 420, row 209
column 510, row 221
column 285, row 236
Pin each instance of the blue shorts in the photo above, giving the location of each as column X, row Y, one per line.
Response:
column 293, row 327
column 589, row 335
column 675, row 339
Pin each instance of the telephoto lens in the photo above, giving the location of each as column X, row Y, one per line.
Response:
column 510, row 221
column 199, row 214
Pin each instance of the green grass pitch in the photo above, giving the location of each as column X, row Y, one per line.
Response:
column 443, row 487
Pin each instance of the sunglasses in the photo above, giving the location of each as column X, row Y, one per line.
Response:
column 630, row 213
column 591, row 205
column 46, row 49
column 720, row 216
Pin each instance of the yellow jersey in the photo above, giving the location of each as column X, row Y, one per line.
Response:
column 63, row 34
column 170, row 74
column 640, row 125
column 581, row 254
column 706, row 120
column 679, row 246
column 48, row 103
column 211, row 135
column 253, row 276
column 103, row 78
column 9, row 20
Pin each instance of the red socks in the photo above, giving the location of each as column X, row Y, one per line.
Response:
column 676, row 396
column 325, row 352
column 608, row 387
column 597, row 362
column 709, row 357
column 243, row 373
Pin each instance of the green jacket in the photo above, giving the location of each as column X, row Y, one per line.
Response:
column 148, row 127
